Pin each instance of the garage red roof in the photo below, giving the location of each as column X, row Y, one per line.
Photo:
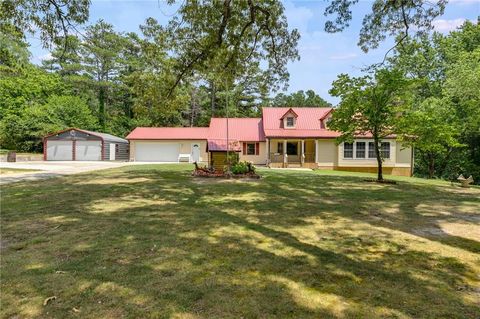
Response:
column 169, row 133
column 307, row 123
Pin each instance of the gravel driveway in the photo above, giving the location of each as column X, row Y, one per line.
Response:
column 53, row 169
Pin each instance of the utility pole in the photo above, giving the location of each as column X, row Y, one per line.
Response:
column 226, row 113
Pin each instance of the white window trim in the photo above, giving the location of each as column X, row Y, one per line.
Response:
column 353, row 151
column 285, row 122
column 389, row 149
column 367, row 145
column 365, row 150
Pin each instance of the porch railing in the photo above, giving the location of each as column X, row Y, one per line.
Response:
column 309, row 157
column 294, row 158
column 276, row 158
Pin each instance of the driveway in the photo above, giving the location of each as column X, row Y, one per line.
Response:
column 53, row 169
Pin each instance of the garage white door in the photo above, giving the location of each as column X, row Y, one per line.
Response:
column 88, row 151
column 59, row 150
column 156, row 152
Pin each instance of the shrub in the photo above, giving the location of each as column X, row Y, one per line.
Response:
column 242, row 168
column 233, row 157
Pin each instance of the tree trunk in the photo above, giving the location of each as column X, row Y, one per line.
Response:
column 431, row 165
column 213, row 94
column 193, row 107
column 379, row 158
column 101, row 107
column 443, row 167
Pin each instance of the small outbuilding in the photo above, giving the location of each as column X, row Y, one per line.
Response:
column 75, row 144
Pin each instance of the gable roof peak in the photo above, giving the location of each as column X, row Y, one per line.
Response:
column 326, row 114
column 289, row 111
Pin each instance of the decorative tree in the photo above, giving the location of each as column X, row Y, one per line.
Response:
column 370, row 105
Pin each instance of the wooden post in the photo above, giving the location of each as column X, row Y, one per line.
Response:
column 302, row 158
column 285, row 159
column 268, row 152
column 316, row 151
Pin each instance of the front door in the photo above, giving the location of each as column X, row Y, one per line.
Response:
column 292, row 152
column 112, row 151
column 195, row 152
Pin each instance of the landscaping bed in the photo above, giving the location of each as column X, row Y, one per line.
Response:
column 221, row 174
column 238, row 170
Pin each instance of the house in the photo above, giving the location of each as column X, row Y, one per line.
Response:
column 200, row 144
column 75, row 144
column 282, row 137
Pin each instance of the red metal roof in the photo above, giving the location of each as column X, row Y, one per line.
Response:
column 307, row 124
column 240, row 129
column 215, row 145
column 246, row 129
column 169, row 133
column 293, row 133
column 289, row 111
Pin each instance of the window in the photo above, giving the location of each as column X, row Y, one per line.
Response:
column 250, row 148
column 360, row 151
column 347, row 150
column 280, row 148
column 385, row 149
column 371, row 150
column 290, row 121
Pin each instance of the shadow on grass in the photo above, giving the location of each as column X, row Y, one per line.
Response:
column 147, row 241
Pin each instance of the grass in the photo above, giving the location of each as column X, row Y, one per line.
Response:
column 7, row 171
column 151, row 241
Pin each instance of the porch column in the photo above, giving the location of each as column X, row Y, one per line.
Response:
column 268, row 152
column 302, row 158
column 316, row 151
column 285, row 159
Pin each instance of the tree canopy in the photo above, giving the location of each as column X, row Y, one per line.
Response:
column 443, row 120
column 369, row 106
column 299, row 99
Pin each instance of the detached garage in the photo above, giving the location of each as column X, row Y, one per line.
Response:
column 81, row 145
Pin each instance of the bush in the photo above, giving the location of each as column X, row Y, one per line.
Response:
column 233, row 157
column 243, row 168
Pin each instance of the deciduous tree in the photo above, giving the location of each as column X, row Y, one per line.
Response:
column 370, row 105
column 52, row 20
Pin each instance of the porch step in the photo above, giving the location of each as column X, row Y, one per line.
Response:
column 294, row 165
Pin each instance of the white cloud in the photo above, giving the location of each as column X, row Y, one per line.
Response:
column 297, row 17
column 45, row 57
column 443, row 25
column 347, row 56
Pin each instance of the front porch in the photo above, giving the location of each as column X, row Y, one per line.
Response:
column 292, row 153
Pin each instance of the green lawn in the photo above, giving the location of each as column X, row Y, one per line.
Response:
column 151, row 241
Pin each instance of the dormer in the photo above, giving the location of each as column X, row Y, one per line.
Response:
column 289, row 119
column 325, row 119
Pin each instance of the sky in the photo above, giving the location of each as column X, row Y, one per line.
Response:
column 323, row 56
